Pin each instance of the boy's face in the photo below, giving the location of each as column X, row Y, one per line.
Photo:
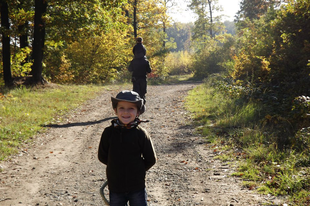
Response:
column 126, row 112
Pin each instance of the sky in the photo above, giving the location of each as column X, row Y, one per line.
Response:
column 185, row 15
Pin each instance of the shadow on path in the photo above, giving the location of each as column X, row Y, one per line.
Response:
column 78, row 123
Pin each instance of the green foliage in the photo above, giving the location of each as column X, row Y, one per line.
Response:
column 70, row 20
column 178, row 63
column 20, row 67
column 213, row 50
column 291, row 49
column 302, row 198
column 90, row 41
column 92, row 55
column 230, row 27
column 301, row 143
column 181, row 33
column 252, row 62
column 87, row 42
column 207, row 23
column 272, row 58
column 87, row 62
column 156, row 53
column 213, row 55
column 19, row 13
column 252, row 9
column 232, row 119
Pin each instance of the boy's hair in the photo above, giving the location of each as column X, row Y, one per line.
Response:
column 129, row 96
column 139, row 40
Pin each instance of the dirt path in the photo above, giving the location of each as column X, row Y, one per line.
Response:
column 61, row 166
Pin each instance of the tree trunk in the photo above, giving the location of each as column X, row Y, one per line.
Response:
column 38, row 43
column 23, row 37
column 164, row 30
column 211, row 20
column 6, row 51
column 135, row 4
column 23, row 31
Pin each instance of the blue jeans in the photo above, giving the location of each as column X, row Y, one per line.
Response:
column 138, row 198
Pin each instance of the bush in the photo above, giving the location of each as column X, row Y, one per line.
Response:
column 214, row 56
column 178, row 63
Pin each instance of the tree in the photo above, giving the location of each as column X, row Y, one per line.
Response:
column 211, row 19
column 135, row 24
column 181, row 33
column 6, row 51
column 88, row 43
column 166, row 4
column 53, row 30
column 291, row 48
column 38, row 43
column 61, row 23
column 206, row 21
column 251, row 9
column 23, row 25
column 273, row 62
column 254, row 9
column 230, row 27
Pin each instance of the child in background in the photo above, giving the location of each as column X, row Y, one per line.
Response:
column 140, row 67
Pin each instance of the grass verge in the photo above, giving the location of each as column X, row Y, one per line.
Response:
column 171, row 79
column 24, row 111
column 236, row 127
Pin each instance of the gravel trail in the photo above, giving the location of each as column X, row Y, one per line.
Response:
column 60, row 166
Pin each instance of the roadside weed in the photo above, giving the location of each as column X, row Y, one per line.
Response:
column 240, row 129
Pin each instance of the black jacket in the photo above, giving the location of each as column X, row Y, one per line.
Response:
column 140, row 67
column 128, row 154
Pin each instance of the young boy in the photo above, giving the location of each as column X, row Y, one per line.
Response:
column 140, row 67
column 127, row 150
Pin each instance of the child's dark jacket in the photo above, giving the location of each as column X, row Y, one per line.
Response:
column 139, row 50
column 140, row 68
column 128, row 154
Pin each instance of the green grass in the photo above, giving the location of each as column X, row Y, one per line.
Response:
column 171, row 79
column 24, row 111
column 236, row 127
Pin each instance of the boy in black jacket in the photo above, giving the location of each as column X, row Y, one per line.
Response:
column 127, row 150
column 139, row 67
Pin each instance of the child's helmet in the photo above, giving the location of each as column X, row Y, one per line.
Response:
column 129, row 96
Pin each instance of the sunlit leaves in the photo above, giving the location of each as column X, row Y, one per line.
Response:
column 98, row 59
column 89, row 38
column 20, row 67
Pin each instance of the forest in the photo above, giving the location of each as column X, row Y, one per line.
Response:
column 79, row 42
column 263, row 57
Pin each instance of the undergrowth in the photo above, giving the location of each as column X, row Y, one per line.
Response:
column 237, row 126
